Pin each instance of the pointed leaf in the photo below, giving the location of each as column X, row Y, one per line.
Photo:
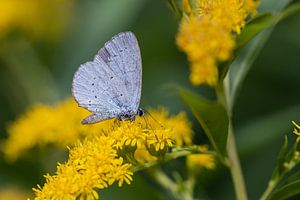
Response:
column 252, row 28
column 282, row 155
column 286, row 191
column 213, row 118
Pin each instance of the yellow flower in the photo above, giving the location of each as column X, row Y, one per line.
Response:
column 42, row 124
column 61, row 126
column 101, row 159
column 93, row 164
column 181, row 129
column 99, row 154
column 206, row 35
column 196, row 161
column 12, row 193
column 142, row 155
column 296, row 129
column 36, row 18
column 159, row 139
column 201, row 160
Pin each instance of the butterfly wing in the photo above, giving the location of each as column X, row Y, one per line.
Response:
column 122, row 55
column 111, row 83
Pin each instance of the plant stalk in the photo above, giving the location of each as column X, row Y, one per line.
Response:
column 234, row 162
column 235, row 167
column 185, row 192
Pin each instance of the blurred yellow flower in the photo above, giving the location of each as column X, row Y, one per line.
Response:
column 12, row 193
column 201, row 160
column 206, row 35
column 60, row 125
column 42, row 124
column 39, row 19
column 196, row 161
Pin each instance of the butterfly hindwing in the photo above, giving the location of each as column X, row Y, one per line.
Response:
column 111, row 83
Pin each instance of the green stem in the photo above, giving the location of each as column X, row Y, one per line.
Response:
column 176, row 153
column 178, row 191
column 235, row 167
column 234, row 162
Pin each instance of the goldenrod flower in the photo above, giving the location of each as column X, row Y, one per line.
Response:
column 103, row 158
column 93, row 164
column 60, row 125
column 36, row 18
column 206, row 35
column 42, row 124
column 100, row 154
column 201, row 160
column 181, row 128
column 196, row 161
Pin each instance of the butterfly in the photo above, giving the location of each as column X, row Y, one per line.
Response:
column 110, row 85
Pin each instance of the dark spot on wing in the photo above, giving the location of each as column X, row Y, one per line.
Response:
column 94, row 78
column 121, row 95
column 90, row 101
column 93, row 84
column 111, row 77
column 121, row 50
column 95, row 97
column 104, row 54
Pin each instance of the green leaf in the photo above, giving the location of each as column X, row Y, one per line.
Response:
column 252, row 28
column 176, row 7
column 286, row 191
column 213, row 118
column 263, row 21
column 282, row 155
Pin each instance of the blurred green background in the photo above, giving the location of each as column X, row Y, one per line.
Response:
column 40, row 69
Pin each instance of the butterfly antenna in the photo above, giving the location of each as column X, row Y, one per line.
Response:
column 116, row 123
column 162, row 126
column 148, row 125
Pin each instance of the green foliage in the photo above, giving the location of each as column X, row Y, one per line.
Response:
column 289, row 188
column 253, row 27
column 259, row 27
column 213, row 118
column 286, row 191
column 288, row 159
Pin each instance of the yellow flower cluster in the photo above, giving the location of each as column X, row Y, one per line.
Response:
column 206, row 34
column 201, row 160
column 37, row 18
column 43, row 124
column 60, row 125
column 198, row 161
column 93, row 164
column 108, row 155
